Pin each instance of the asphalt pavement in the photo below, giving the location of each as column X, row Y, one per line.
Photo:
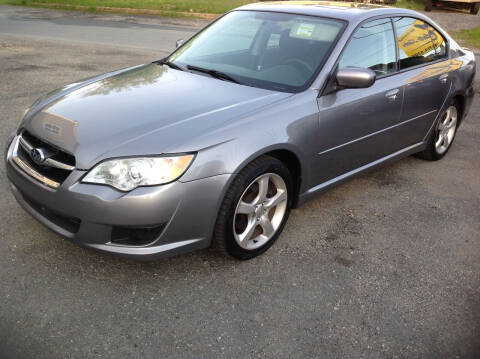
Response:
column 119, row 30
column 385, row 266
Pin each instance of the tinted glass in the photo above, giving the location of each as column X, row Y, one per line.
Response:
column 372, row 46
column 270, row 50
column 418, row 42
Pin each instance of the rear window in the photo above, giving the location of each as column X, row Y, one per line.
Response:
column 418, row 42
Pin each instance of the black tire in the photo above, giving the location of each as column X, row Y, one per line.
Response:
column 224, row 239
column 430, row 153
column 428, row 5
column 474, row 8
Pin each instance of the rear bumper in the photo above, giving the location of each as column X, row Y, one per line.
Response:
column 86, row 214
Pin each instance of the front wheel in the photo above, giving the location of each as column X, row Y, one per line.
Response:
column 442, row 137
column 255, row 209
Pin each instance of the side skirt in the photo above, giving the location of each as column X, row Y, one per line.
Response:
column 325, row 186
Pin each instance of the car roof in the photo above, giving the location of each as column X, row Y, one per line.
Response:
column 332, row 9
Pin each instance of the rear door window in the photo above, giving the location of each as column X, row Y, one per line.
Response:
column 418, row 42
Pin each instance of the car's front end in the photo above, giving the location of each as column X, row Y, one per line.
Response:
column 145, row 223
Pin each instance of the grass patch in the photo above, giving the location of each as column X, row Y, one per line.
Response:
column 469, row 37
column 168, row 6
column 410, row 4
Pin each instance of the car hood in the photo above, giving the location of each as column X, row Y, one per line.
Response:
column 145, row 110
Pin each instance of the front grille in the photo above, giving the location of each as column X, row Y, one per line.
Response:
column 58, row 154
column 69, row 224
column 53, row 168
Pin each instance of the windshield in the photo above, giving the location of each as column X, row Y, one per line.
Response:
column 263, row 49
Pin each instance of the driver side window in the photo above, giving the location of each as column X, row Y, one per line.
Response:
column 372, row 46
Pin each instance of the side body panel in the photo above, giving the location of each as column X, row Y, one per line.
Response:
column 358, row 127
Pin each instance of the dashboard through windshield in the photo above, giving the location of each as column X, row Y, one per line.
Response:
column 277, row 51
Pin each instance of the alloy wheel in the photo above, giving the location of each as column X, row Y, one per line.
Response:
column 260, row 211
column 446, row 130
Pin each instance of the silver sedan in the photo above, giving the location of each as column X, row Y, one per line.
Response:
column 215, row 144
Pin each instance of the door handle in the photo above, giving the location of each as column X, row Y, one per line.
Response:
column 443, row 78
column 392, row 94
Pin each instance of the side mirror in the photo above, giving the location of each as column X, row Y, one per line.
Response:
column 352, row 77
column 179, row 43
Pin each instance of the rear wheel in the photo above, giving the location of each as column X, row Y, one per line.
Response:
column 474, row 8
column 428, row 5
column 255, row 209
column 442, row 138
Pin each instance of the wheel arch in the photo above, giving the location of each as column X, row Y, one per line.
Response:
column 291, row 158
column 292, row 162
column 459, row 99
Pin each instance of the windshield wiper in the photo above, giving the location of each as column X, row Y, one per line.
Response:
column 169, row 64
column 214, row 73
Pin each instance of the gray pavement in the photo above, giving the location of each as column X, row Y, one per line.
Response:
column 385, row 266
column 119, row 30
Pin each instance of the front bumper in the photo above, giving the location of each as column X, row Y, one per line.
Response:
column 87, row 214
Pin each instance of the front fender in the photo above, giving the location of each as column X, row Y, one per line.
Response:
column 289, row 126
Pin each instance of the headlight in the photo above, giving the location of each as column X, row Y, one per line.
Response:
column 126, row 174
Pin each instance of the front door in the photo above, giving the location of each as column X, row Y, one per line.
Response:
column 354, row 123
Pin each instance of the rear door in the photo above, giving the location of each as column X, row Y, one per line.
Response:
column 424, row 68
column 354, row 123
